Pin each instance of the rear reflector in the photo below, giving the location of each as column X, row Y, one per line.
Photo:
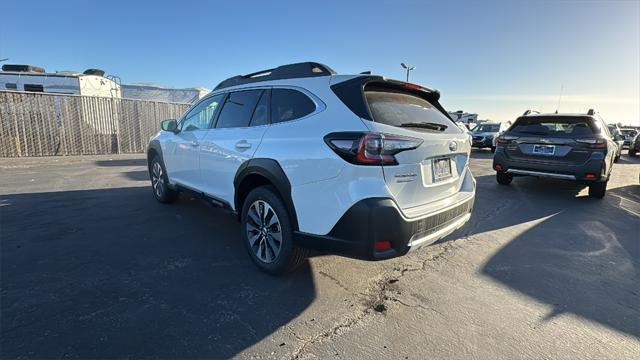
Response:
column 382, row 245
column 497, row 166
column 590, row 176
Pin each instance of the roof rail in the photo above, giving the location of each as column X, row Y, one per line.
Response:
column 298, row 70
column 529, row 112
column 591, row 112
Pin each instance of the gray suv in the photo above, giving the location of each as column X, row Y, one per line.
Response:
column 482, row 136
column 563, row 146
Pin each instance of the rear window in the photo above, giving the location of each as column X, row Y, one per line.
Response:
column 555, row 126
column 288, row 104
column 407, row 111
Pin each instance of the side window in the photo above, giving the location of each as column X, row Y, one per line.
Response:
column 261, row 112
column 200, row 116
column 288, row 104
column 238, row 108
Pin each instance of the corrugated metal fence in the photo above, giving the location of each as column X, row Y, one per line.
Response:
column 33, row 124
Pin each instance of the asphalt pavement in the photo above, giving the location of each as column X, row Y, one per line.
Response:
column 93, row 267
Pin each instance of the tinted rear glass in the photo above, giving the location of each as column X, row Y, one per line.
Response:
column 408, row 111
column 288, row 104
column 564, row 126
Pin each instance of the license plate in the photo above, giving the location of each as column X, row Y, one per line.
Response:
column 441, row 169
column 544, row 149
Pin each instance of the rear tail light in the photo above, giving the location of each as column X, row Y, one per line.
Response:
column 497, row 167
column 505, row 139
column 382, row 245
column 370, row 148
column 593, row 143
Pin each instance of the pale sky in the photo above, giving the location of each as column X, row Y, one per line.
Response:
column 496, row 58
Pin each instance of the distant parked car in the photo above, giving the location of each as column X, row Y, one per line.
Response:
column 572, row 147
column 618, row 138
column 483, row 135
column 629, row 135
column 634, row 148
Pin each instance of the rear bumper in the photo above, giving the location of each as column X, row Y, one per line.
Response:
column 378, row 219
column 541, row 169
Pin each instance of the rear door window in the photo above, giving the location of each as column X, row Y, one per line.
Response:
column 556, row 126
column 407, row 111
column 238, row 109
column 289, row 104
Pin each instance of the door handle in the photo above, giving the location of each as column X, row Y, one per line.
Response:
column 243, row 144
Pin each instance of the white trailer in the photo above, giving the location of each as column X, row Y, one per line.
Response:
column 90, row 83
column 464, row 117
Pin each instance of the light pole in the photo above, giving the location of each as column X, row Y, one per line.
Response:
column 408, row 68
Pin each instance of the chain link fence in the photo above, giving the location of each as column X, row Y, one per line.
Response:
column 33, row 124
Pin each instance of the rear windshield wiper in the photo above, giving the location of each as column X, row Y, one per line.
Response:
column 425, row 125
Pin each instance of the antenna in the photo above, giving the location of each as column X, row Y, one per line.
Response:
column 560, row 98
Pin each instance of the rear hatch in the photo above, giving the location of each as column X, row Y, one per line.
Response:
column 554, row 140
column 432, row 171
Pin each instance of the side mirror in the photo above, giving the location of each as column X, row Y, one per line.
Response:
column 169, row 125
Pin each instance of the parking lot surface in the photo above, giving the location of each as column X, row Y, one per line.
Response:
column 93, row 267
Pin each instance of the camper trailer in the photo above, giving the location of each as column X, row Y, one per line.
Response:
column 464, row 117
column 91, row 82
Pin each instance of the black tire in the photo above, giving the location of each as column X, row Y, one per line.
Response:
column 503, row 178
column 493, row 149
column 598, row 189
column 160, row 182
column 632, row 152
column 264, row 250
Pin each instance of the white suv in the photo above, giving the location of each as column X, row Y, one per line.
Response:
column 356, row 165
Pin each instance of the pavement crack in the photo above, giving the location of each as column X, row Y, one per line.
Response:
column 374, row 300
column 335, row 281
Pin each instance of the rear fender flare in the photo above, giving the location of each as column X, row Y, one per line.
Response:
column 272, row 171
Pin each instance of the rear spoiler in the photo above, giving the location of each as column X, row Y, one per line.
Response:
column 351, row 92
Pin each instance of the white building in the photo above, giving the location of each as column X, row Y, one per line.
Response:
column 33, row 79
column 153, row 92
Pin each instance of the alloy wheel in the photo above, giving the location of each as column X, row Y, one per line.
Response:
column 157, row 179
column 264, row 231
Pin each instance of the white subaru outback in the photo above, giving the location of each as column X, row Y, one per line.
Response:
column 356, row 165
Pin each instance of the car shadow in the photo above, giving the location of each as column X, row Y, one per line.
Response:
column 628, row 159
column 121, row 162
column 111, row 273
column 138, row 175
column 576, row 254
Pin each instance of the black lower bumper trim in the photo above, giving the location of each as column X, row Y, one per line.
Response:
column 373, row 220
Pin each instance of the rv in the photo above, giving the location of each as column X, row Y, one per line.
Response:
column 91, row 82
